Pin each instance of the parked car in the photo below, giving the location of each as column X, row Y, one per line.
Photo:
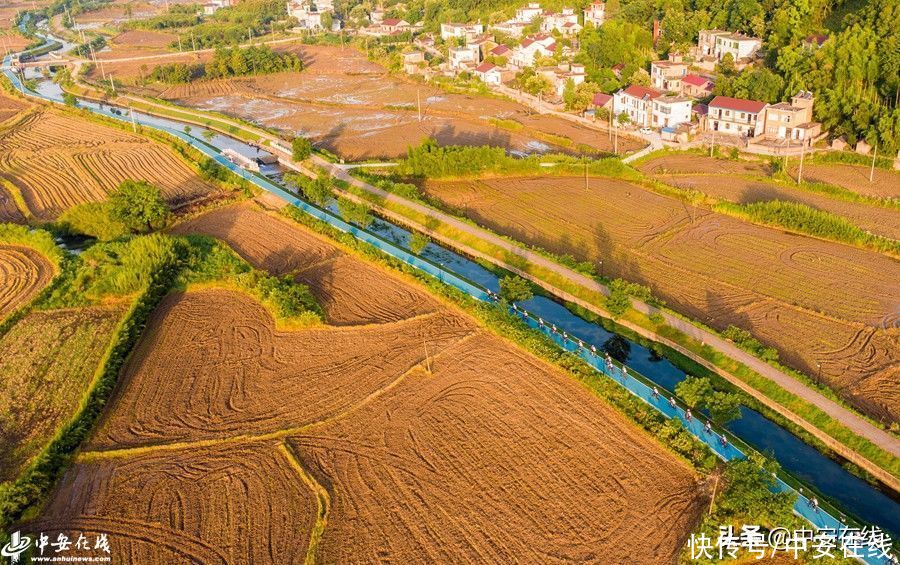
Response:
column 646, row 131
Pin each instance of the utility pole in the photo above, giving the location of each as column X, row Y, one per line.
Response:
column 250, row 35
column 872, row 170
column 419, row 102
column 133, row 125
column 616, row 142
column 800, row 170
column 112, row 84
column 193, row 42
column 585, row 175
column 179, row 44
column 712, row 143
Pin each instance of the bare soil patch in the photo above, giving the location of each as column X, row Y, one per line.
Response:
column 456, row 465
column 886, row 184
column 23, row 273
column 135, row 43
column 427, row 438
column 57, row 161
column 219, row 505
column 354, row 108
column 48, row 362
column 688, row 163
column 741, row 190
column 714, row 268
column 350, row 291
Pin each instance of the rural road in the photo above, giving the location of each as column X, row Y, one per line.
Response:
column 852, row 421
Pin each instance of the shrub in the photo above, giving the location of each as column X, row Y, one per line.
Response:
column 515, row 289
column 354, row 212
column 418, row 242
column 93, row 219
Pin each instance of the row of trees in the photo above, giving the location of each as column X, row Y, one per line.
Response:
column 229, row 62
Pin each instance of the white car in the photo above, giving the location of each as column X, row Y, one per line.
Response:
column 646, row 131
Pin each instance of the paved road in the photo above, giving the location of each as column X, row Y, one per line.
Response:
column 848, row 418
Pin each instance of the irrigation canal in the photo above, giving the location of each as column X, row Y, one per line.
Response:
column 646, row 369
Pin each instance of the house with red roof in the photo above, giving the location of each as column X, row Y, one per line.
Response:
column 489, row 73
column 636, row 102
column 565, row 22
column 602, row 100
column 532, row 47
column 696, row 86
column 736, row 116
column 595, row 13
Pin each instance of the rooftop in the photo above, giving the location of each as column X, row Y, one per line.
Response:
column 695, row 80
column 638, row 91
column 739, row 104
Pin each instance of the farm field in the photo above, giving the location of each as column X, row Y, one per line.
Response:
column 742, row 190
column 137, row 43
column 57, row 161
column 886, row 184
column 48, row 362
column 386, row 434
column 23, row 273
column 354, row 108
column 818, row 302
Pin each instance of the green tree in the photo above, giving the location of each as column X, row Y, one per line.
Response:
column 418, row 242
column 139, row 205
column 724, row 406
column 538, row 85
column 515, row 289
column 69, row 99
column 354, row 212
column 748, row 496
column 301, row 149
column 694, row 391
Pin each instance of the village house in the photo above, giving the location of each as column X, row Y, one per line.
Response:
column 561, row 74
column 464, row 31
column 602, row 101
column 501, row 51
column 376, row 16
column 463, row 58
column 667, row 75
column 209, row 8
column 516, row 26
column 792, row 120
column 394, row 25
column 670, row 111
column 636, row 102
column 696, row 86
column 489, row 73
column 413, row 62
column 736, row 116
column 713, row 45
column 595, row 13
column 565, row 22
column 526, row 14
column 482, row 42
column 532, row 47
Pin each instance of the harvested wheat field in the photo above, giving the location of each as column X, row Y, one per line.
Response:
column 138, row 43
column 816, row 301
column 57, row 161
column 350, row 292
column 48, row 363
column 876, row 219
column 11, row 107
column 426, row 436
column 885, row 183
column 355, row 108
column 23, row 273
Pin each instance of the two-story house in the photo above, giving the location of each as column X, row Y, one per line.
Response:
column 792, row 120
column 636, row 102
column 736, row 116
column 595, row 13
column 669, row 111
column 667, row 75
column 532, row 48
column 464, row 31
column 565, row 22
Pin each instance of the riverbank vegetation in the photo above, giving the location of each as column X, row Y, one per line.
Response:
column 229, row 62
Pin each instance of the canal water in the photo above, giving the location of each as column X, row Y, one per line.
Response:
column 794, row 455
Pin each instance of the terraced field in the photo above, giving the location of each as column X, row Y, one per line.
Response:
column 23, row 273
column 424, row 435
column 819, row 303
column 57, row 161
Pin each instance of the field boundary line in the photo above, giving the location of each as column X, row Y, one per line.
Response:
column 323, row 501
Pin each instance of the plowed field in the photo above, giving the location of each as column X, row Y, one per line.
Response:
column 426, row 437
column 57, row 161
column 358, row 110
column 23, row 273
column 817, row 302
